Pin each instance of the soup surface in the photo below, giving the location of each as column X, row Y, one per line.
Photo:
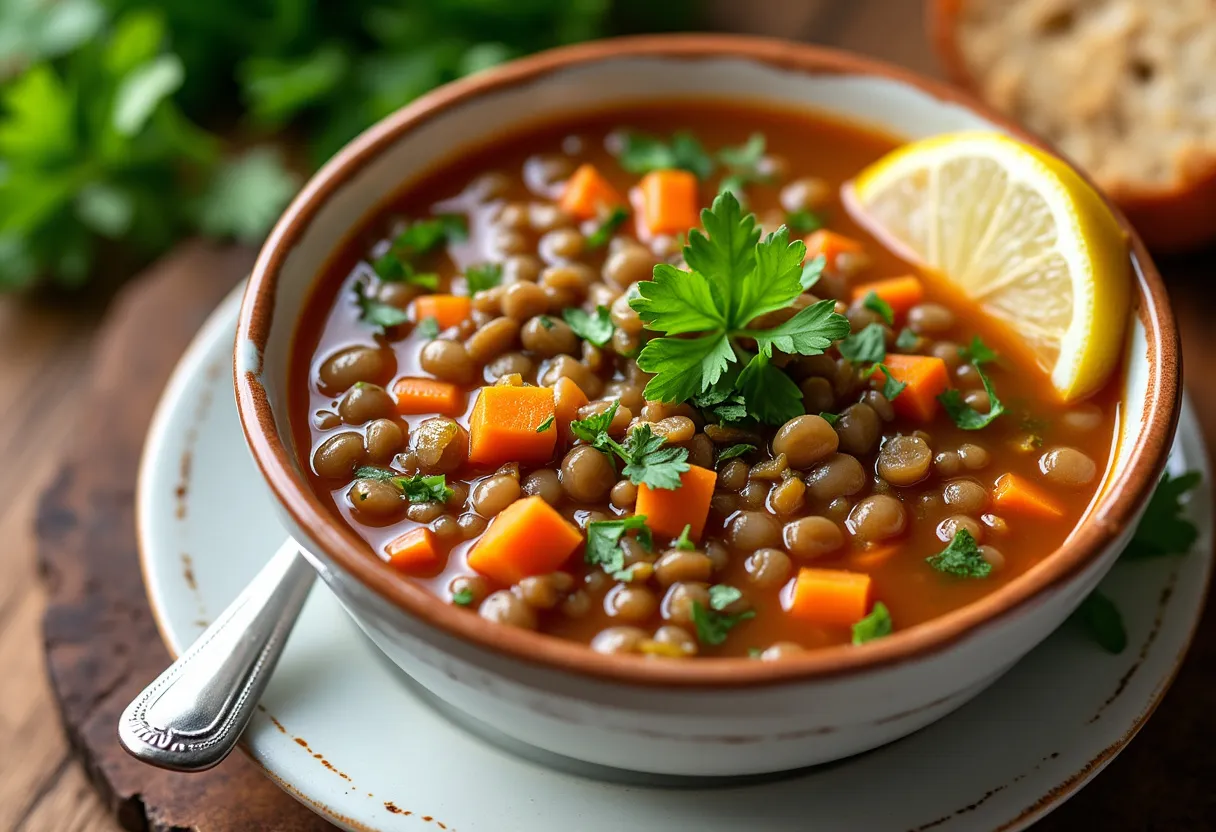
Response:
column 819, row 446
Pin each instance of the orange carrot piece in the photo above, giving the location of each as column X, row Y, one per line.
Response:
column 669, row 201
column 569, row 397
column 830, row 596
column 926, row 377
column 527, row 538
column 587, row 194
column 447, row 310
column 427, row 395
column 901, row 293
column 503, row 427
column 415, row 551
column 1016, row 494
column 668, row 511
column 831, row 245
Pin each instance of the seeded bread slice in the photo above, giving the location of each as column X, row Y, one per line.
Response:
column 1125, row 88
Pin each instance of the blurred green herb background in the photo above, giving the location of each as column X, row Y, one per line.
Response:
column 128, row 124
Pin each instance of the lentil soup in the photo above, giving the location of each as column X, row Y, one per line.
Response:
column 844, row 447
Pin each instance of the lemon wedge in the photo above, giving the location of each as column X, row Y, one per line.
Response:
column 1019, row 233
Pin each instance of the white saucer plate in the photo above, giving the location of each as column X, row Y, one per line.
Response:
column 350, row 736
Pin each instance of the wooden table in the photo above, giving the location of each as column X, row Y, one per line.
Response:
column 45, row 352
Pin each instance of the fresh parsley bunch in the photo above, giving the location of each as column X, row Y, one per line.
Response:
column 711, row 351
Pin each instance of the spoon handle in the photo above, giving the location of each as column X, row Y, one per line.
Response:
column 194, row 713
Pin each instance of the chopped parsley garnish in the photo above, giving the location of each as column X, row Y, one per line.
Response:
column 428, row 327
column 545, row 425
column 712, row 624
column 977, row 352
column 416, row 489
column 804, row 221
column 603, row 233
column 722, row 596
column 734, row 451
column 603, row 547
column 482, row 277
column 830, row 418
column 880, row 307
column 397, row 265
column 1163, row 530
column 812, row 270
column 390, row 268
column 963, row 414
column 643, row 153
column 378, row 313
column 744, row 165
column 907, row 340
column 647, row 461
column 462, row 597
column 866, row 347
column 684, row 542
column 961, row 558
column 1102, row 620
column 596, row 328
column 754, row 652
column 734, row 279
column 875, row 625
column 890, row 388
column 546, row 322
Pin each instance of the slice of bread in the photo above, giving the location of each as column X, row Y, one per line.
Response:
column 1124, row 88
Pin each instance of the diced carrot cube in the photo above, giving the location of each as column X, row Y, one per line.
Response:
column 503, row 427
column 447, row 310
column 669, row 510
column 830, row 596
column 1015, row 494
column 926, row 377
column 900, row 293
column 427, row 395
column 669, row 202
column 588, row 194
column 415, row 551
column 527, row 538
column 569, row 397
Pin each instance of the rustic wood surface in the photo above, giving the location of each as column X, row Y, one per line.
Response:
column 98, row 643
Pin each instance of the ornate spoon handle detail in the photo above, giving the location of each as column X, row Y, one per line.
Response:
column 194, row 713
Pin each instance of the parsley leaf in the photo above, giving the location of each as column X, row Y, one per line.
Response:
column 482, row 277
column 963, row 414
column 879, row 306
column 712, row 626
column 866, row 347
column 603, row 233
column 594, row 429
column 1102, row 620
column 977, row 352
column 462, row 597
column 810, row 332
column 771, row 396
column 391, row 268
column 1163, row 530
column 804, row 221
column 597, row 328
column 890, row 388
column 378, row 313
column 684, row 542
column 418, row 238
column 734, row 451
column 642, row 153
column 722, row 596
column 428, row 327
column 907, row 340
column 545, row 425
column 961, row 558
column 812, row 270
column 745, row 165
column 830, row 418
column 875, row 625
column 417, row 489
column 603, row 547
column 647, row 461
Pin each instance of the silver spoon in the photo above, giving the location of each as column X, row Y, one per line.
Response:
column 191, row 717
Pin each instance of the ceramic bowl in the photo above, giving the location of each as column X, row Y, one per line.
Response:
column 709, row 716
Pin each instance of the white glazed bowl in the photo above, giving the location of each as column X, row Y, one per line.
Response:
column 709, row 716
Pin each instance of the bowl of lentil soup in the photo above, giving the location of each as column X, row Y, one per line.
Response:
column 612, row 426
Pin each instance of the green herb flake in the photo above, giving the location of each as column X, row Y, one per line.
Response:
column 1163, row 530
column 713, row 626
column 879, row 306
column 482, row 277
column 962, row 558
column 432, row 488
column 722, row 596
column 875, row 625
column 603, row 547
column 963, row 414
column 735, row 451
column 428, row 328
column 754, row 652
column 804, row 221
column 684, row 541
column 642, row 154
column 866, row 347
column 462, row 597
column 907, row 340
column 604, row 231
column 596, row 328
column 1103, row 622
column 977, row 352
column 812, row 271
column 377, row 313
column 890, row 388
column 745, row 166
column 647, row 461
column 545, row 425
column 830, row 418
column 546, row 322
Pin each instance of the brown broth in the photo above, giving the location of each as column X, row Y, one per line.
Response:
column 813, row 146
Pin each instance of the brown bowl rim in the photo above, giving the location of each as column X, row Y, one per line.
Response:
column 343, row 547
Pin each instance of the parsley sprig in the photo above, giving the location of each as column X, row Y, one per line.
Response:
column 962, row 558
column 647, row 461
column 713, row 625
column 418, row 488
column 734, row 278
column 963, row 414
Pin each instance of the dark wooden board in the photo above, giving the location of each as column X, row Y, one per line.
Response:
column 101, row 642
